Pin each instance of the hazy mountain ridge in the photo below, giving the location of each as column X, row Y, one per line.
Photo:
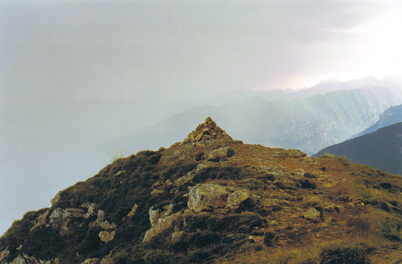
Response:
column 390, row 116
column 309, row 124
column 212, row 199
column 381, row 149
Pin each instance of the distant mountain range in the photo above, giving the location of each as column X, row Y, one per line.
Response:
column 381, row 149
column 391, row 116
column 308, row 124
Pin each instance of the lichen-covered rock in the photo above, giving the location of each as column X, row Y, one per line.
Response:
column 55, row 199
column 4, row 254
column 30, row 260
column 160, row 221
column 91, row 207
column 133, row 210
column 60, row 218
column 207, row 197
column 41, row 220
column 237, row 198
column 107, row 236
column 106, row 225
column 91, row 261
column 220, row 153
column 312, row 214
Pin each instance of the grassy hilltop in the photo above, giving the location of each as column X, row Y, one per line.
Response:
column 212, row 199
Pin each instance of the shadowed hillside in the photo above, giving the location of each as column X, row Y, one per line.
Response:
column 381, row 149
column 390, row 116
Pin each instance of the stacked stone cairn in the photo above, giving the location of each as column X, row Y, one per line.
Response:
column 207, row 131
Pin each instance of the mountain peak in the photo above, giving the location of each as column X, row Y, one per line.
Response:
column 208, row 130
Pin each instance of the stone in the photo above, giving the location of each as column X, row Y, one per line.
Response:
column 207, row 131
column 237, row 199
column 107, row 236
column 90, row 261
column 107, row 259
column 4, row 254
column 106, row 225
column 207, row 197
column 99, row 219
column 92, row 209
column 41, row 220
column 220, row 153
column 60, row 218
column 312, row 214
column 133, row 210
column 19, row 260
column 160, row 221
column 55, row 199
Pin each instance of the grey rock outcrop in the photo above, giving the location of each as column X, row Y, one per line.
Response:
column 209, row 197
column 160, row 221
column 60, row 218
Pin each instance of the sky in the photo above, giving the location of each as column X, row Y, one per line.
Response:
column 77, row 74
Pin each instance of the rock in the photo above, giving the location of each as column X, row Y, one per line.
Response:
column 3, row 255
column 183, row 180
column 107, row 259
column 55, row 199
column 107, row 236
column 177, row 236
column 30, row 260
column 237, row 199
column 19, row 260
column 41, row 220
column 207, row 131
column 91, row 207
column 106, row 225
column 133, row 210
column 207, row 197
column 220, row 153
column 91, row 261
column 156, row 192
column 312, row 214
column 157, row 214
column 60, row 218
column 200, row 167
column 160, row 221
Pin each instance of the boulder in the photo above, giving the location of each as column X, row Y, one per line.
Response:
column 207, row 197
column 237, row 199
column 60, row 218
column 3, row 255
column 107, row 236
column 312, row 214
column 220, row 153
column 160, row 221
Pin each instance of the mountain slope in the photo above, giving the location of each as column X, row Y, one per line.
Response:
column 308, row 124
column 390, row 116
column 212, row 199
column 381, row 149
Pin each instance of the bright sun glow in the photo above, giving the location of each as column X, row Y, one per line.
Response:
column 378, row 46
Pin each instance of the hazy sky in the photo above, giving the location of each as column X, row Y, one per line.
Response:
column 77, row 74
